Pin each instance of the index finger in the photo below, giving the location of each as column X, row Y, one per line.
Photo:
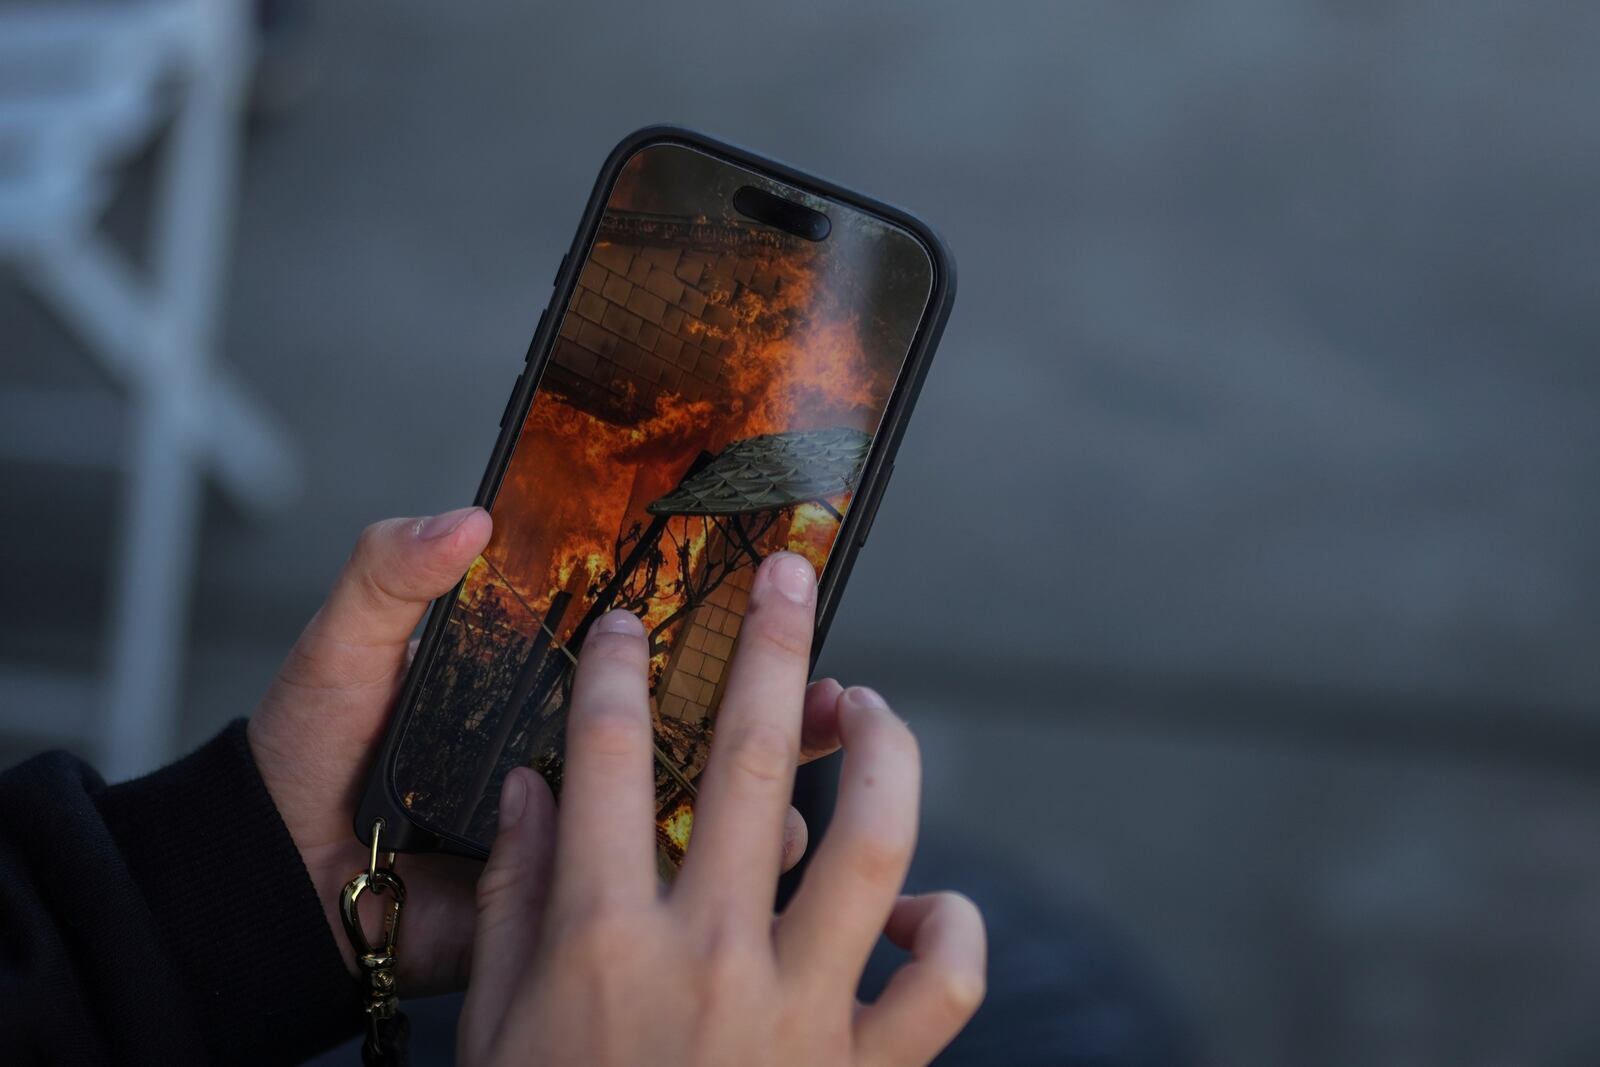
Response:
column 735, row 851
column 605, row 831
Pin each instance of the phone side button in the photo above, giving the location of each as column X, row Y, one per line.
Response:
column 872, row 505
column 566, row 257
column 516, row 387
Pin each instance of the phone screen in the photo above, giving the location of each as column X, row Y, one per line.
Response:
column 711, row 397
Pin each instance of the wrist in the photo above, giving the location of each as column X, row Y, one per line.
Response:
column 331, row 859
column 331, row 867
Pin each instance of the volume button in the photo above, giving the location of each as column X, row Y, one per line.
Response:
column 516, row 387
column 538, row 331
column 872, row 504
column 566, row 257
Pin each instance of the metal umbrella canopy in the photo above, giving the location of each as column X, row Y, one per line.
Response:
column 771, row 471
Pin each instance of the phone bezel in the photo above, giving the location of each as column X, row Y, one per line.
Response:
column 380, row 799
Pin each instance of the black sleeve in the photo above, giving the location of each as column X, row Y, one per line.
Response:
column 166, row 920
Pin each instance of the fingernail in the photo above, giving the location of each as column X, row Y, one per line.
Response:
column 862, row 697
column 439, row 525
column 619, row 622
column 794, row 835
column 795, row 578
column 513, row 800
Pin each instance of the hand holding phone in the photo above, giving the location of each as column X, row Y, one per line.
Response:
column 313, row 732
column 581, row 958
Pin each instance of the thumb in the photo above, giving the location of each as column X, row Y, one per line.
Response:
column 511, row 898
column 398, row 566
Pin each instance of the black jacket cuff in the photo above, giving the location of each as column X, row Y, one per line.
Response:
column 234, row 904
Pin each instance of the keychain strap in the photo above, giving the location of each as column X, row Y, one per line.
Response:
column 387, row 1026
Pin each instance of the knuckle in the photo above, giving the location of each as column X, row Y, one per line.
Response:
column 605, row 732
column 368, row 540
column 603, row 935
column 784, row 633
column 761, row 751
column 879, row 857
column 369, row 548
column 958, row 991
column 364, row 568
column 729, row 963
column 494, row 885
column 371, row 589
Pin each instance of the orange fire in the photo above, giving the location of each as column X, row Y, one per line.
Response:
column 677, row 825
column 792, row 362
column 812, row 530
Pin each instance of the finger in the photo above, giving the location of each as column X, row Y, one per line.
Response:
column 795, row 837
column 441, row 912
column 606, row 832
column 834, row 919
column 819, row 736
column 398, row 566
column 511, row 893
column 735, row 850
column 936, row 993
column 819, row 720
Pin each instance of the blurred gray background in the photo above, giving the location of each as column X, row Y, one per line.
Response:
column 1240, row 572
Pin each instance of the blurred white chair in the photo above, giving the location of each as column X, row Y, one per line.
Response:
column 81, row 87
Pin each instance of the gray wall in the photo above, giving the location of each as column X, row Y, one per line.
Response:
column 1270, row 355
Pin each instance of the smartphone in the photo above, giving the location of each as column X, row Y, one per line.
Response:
column 725, row 370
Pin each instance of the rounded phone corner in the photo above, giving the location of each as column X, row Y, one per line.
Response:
column 379, row 803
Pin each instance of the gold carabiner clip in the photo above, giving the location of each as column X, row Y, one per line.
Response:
column 377, row 962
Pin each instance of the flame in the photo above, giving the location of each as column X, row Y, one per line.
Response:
column 793, row 359
column 812, row 530
column 678, row 825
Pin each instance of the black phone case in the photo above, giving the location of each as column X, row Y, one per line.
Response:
column 381, row 799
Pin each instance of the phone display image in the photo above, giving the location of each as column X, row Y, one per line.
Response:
column 712, row 393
